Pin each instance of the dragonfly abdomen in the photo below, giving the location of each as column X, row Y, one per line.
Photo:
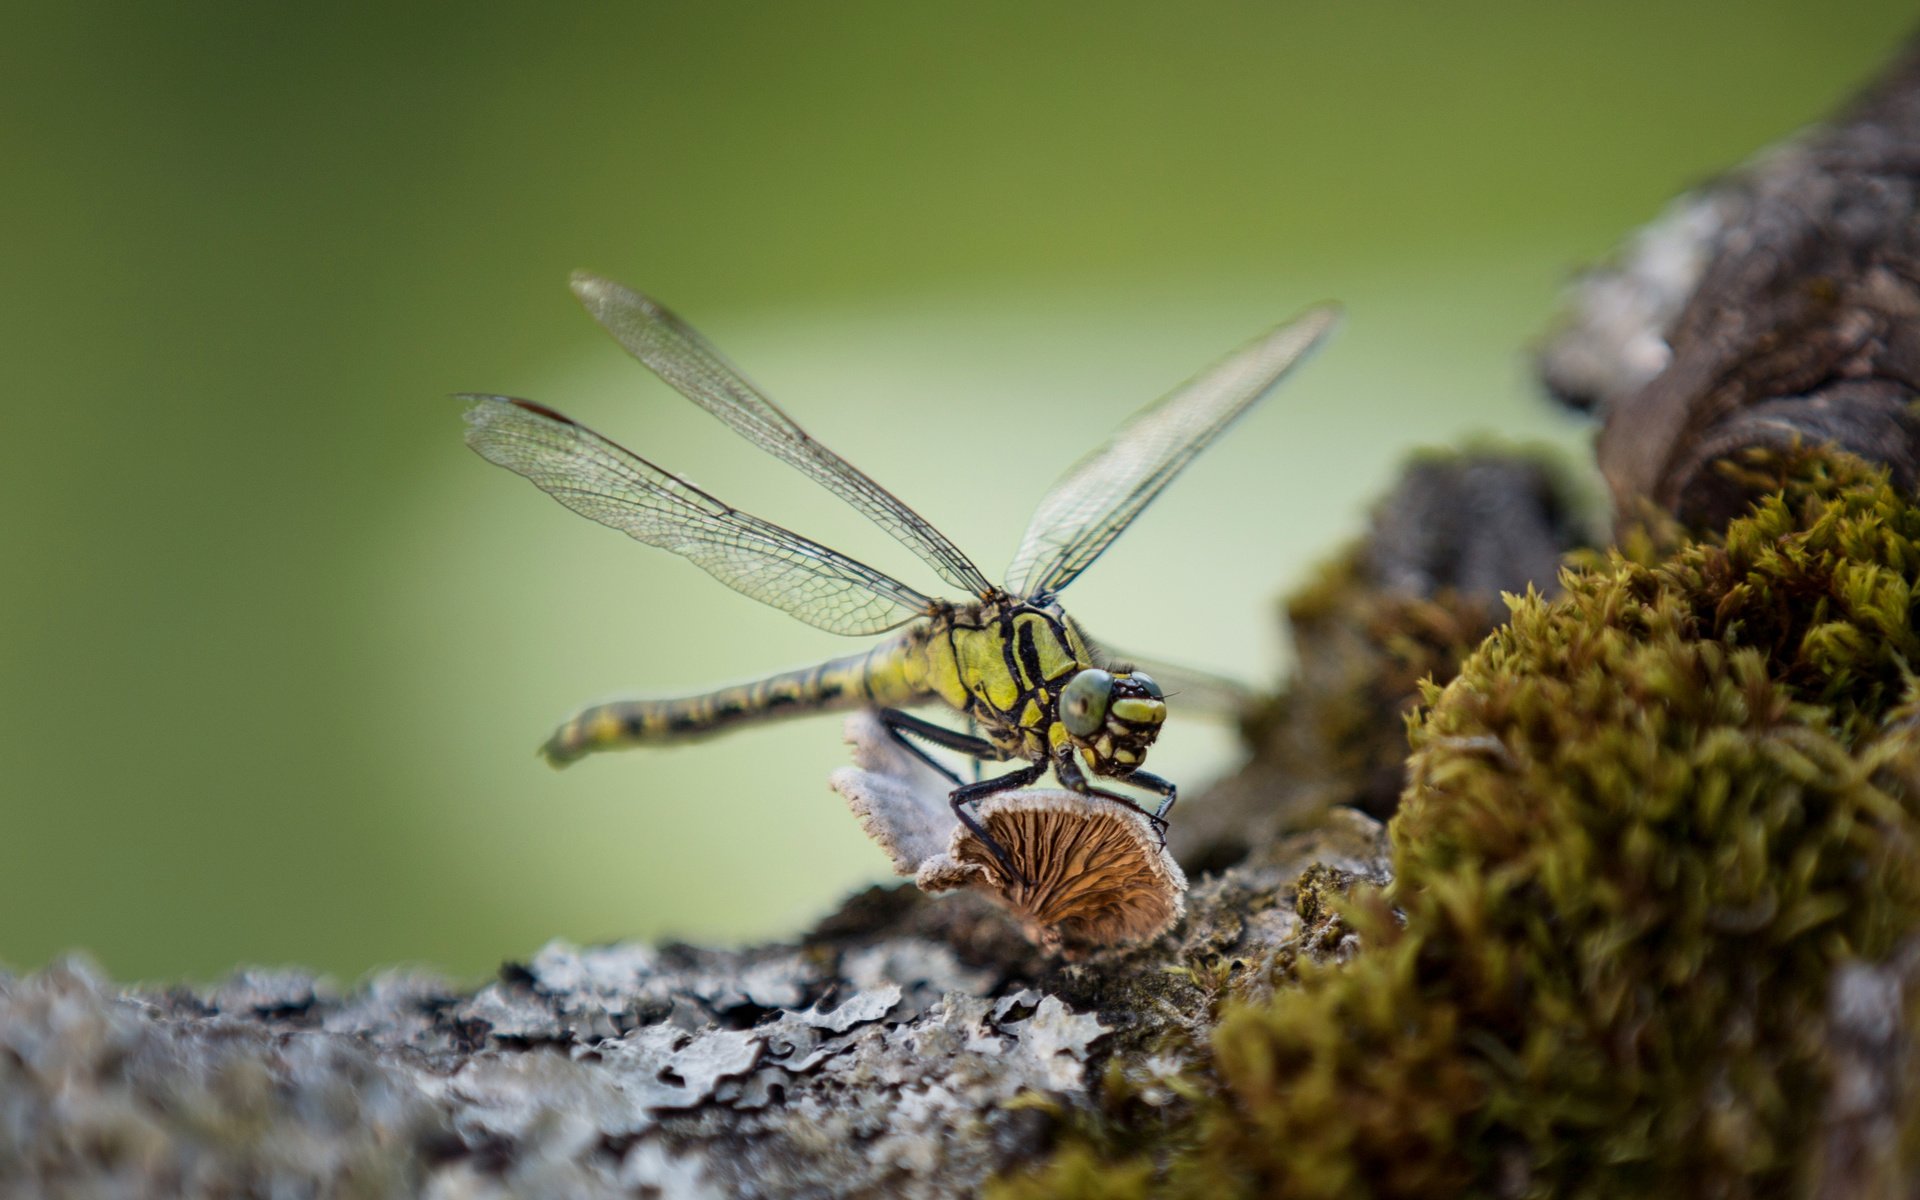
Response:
column 892, row 674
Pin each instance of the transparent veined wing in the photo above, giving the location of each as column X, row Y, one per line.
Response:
column 1195, row 692
column 675, row 352
column 1192, row 692
column 1106, row 490
column 616, row 487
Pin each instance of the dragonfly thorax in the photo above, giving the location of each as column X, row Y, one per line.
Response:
column 1024, row 673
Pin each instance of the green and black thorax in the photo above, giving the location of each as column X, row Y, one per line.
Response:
column 1009, row 664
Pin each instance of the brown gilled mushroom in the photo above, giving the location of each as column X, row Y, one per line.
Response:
column 1093, row 873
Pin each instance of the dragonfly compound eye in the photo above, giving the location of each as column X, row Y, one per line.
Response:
column 1083, row 705
column 1146, row 681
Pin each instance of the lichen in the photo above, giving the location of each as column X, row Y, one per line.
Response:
column 1644, row 827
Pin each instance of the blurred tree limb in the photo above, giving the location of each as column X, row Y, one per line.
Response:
column 1777, row 303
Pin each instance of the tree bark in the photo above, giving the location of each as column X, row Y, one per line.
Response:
column 1777, row 304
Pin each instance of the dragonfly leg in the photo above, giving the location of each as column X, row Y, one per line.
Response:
column 899, row 725
column 914, row 748
column 1152, row 782
column 980, row 790
column 1068, row 769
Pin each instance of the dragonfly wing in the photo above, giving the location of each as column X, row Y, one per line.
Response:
column 1191, row 691
column 678, row 354
column 1105, row 491
column 599, row 479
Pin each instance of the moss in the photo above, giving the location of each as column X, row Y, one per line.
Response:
column 1407, row 601
column 1642, row 828
column 1367, row 649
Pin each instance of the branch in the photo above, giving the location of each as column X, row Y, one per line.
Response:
column 1776, row 306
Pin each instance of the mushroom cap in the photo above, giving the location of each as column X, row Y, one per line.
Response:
column 1095, row 873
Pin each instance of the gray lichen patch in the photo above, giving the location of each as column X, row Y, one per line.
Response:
column 879, row 1061
column 571, row 1075
column 919, row 1108
column 568, row 994
column 108, row 1095
column 1866, row 1142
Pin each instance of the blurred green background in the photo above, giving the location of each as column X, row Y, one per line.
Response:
column 275, row 650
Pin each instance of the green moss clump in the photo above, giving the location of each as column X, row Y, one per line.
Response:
column 1642, row 827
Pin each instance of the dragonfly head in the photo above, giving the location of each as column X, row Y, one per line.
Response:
column 1113, row 717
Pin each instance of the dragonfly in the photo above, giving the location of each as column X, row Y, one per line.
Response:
column 1033, row 686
